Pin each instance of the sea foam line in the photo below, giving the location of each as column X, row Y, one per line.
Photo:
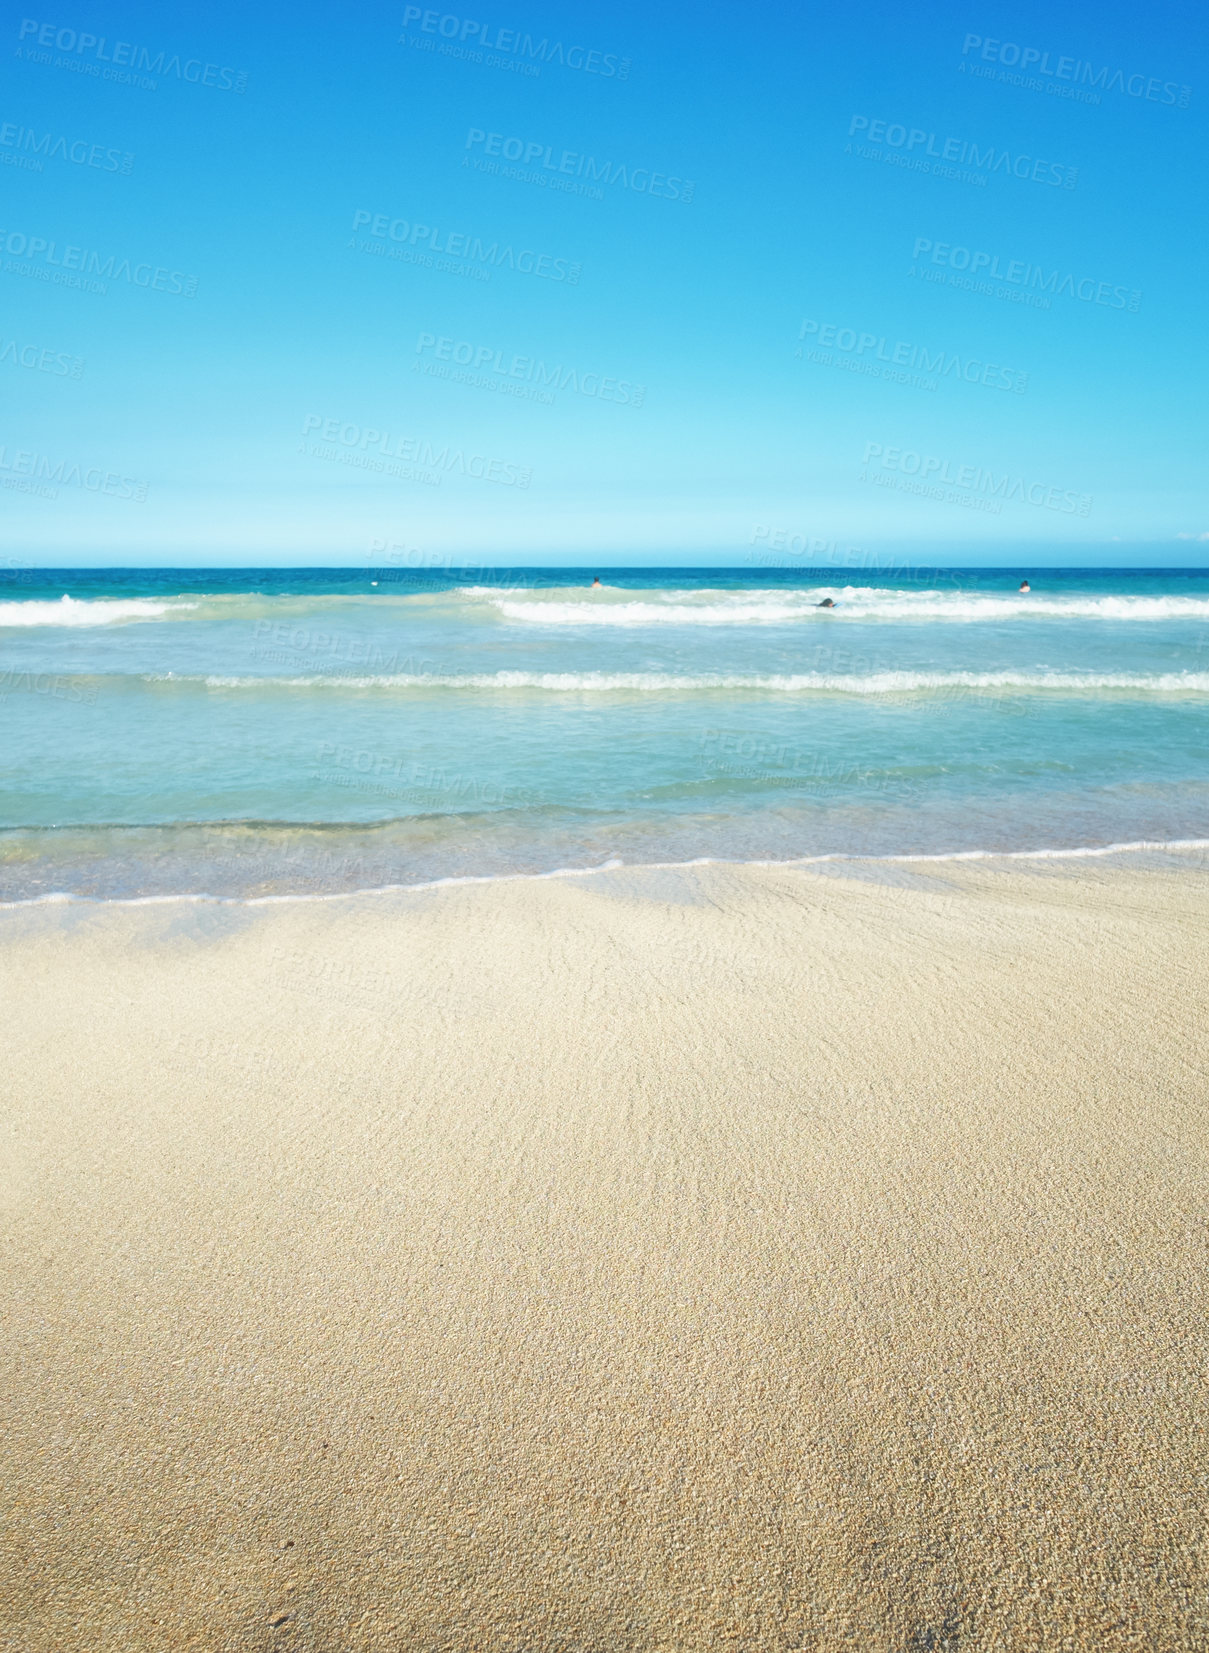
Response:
column 779, row 607
column 70, row 611
column 872, row 683
column 616, row 606
column 1082, row 852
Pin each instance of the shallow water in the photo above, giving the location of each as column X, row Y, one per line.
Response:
column 244, row 732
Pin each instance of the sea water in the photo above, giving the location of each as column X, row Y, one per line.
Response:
column 274, row 731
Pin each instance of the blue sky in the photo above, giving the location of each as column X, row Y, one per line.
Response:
column 704, row 279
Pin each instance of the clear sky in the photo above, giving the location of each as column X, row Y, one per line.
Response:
column 533, row 283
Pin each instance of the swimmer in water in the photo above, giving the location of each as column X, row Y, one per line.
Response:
column 1025, row 586
column 595, row 583
column 826, row 603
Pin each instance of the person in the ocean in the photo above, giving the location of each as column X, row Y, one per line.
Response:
column 827, row 602
column 595, row 583
column 1025, row 586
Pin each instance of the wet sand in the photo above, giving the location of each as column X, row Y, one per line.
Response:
column 718, row 1258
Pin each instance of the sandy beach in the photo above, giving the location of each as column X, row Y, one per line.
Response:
column 726, row 1257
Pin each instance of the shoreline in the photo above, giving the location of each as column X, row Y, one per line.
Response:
column 1141, row 846
column 669, row 1258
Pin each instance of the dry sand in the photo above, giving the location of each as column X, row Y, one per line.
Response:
column 726, row 1258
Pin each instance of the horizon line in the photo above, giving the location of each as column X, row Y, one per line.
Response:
column 382, row 571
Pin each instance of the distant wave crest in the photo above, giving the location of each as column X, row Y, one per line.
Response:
column 101, row 611
column 873, row 683
column 610, row 607
column 615, row 607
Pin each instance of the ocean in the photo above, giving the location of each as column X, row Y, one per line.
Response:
column 263, row 732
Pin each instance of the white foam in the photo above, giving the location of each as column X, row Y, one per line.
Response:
column 101, row 611
column 872, row 683
column 779, row 607
column 1082, row 852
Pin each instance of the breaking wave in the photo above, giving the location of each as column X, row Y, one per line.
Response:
column 873, row 683
column 616, row 607
column 101, row 611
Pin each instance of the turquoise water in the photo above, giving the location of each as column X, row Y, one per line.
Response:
column 270, row 731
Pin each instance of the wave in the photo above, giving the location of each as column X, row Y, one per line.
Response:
column 1161, row 846
column 873, row 683
column 608, row 606
column 615, row 607
column 282, row 608
column 100, row 611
